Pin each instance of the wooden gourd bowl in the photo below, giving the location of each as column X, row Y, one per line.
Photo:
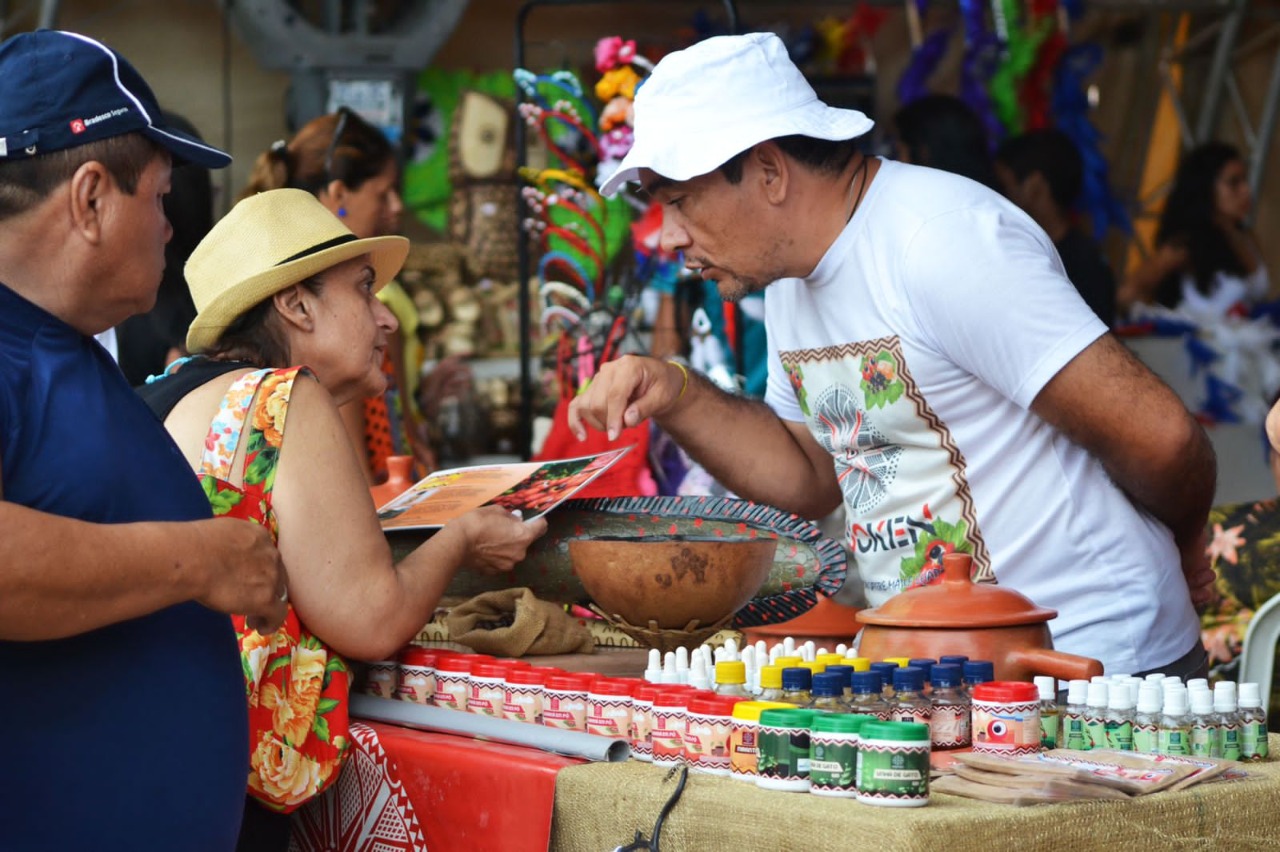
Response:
column 671, row 582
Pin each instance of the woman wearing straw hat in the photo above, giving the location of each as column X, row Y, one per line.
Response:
column 281, row 282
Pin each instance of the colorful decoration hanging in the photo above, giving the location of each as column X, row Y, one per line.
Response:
column 1021, row 45
column 981, row 52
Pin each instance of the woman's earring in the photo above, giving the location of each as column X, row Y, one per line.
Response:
column 342, row 212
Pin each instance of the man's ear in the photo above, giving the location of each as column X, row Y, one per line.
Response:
column 294, row 306
column 335, row 194
column 774, row 170
column 92, row 188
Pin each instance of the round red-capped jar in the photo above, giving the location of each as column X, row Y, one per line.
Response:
column 706, row 737
column 642, row 721
column 1006, row 718
column 670, row 721
column 564, row 703
column 488, row 687
column 418, row 674
column 609, row 707
column 524, row 694
column 453, row 681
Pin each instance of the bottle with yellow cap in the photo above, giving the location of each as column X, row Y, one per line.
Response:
column 788, row 662
column 900, row 662
column 731, row 679
column 770, row 684
column 860, row 664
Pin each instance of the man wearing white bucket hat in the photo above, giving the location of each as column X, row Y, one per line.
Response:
column 930, row 365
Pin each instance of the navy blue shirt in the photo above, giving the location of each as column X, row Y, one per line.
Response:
column 133, row 736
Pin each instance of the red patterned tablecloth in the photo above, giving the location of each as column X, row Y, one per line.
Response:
column 405, row 790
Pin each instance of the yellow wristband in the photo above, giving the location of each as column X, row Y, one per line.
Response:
column 684, row 385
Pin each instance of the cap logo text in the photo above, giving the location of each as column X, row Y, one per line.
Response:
column 77, row 126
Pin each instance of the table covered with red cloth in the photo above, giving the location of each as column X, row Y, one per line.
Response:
column 405, row 790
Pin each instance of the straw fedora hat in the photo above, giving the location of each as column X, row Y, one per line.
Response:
column 268, row 242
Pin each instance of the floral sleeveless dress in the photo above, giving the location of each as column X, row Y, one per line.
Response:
column 297, row 688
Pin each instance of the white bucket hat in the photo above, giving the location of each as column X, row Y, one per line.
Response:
column 703, row 105
column 268, row 242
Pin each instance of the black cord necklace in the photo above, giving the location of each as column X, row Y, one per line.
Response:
column 860, row 170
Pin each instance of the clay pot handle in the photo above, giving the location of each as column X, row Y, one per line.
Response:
column 956, row 568
column 1062, row 666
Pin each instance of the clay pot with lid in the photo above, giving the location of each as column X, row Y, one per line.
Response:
column 980, row 620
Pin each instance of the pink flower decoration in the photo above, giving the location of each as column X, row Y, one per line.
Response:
column 612, row 52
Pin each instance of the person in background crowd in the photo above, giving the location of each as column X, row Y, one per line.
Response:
column 942, row 132
column 1043, row 173
column 122, row 692
column 1207, row 261
column 280, row 282
column 350, row 166
column 929, row 364
column 147, row 342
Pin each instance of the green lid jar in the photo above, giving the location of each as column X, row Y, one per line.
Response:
column 784, row 749
column 893, row 764
column 833, row 752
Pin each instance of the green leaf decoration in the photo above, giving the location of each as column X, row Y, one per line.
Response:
column 945, row 533
column 335, row 664
column 222, row 502
column 248, row 672
column 257, row 440
column 276, row 665
column 326, row 705
column 881, row 387
column 320, row 727
column 262, row 468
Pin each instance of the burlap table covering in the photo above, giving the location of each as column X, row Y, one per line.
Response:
column 600, row 806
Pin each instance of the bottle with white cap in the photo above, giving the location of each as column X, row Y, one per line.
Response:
column 1224, row 704
column 653, row 674
column 1253, row 723
column 1119, row 724
column 1204, row 735
column 1146, row 721
column 1095, row 714
column 1174, row 724
column 1073, row 715
column 1049, row 716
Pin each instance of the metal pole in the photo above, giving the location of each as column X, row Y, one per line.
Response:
column 1218, row 69
column 1266, row 129
column 49, row 14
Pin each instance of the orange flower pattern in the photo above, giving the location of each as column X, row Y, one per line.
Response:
column 295, row 686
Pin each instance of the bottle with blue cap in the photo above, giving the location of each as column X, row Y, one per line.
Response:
column 925, row 665
column 909, row 701
column 950, row 723
column 886, row 669
column 796, row 683
column 868, row 696
column 977, row 672
column 846, row 679
column 828, row 693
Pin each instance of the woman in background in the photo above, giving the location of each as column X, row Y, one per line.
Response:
column 350, row 166
column 942, row 132
column 1207, row 261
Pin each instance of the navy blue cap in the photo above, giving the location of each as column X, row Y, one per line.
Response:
column 924, row 664
column 796, row 678
column 62, row 90
column 845, row 672
column 945, row 674
column 828, row 685
column 954, row 659
column 885, row 669
column 867, row 683
column 979, row 671
column 910, row 679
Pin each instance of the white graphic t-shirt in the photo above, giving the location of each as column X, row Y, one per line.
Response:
column 913, row 352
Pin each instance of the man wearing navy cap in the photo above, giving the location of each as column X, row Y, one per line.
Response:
column 122, row 693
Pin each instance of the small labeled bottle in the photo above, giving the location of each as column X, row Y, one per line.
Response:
column 885, row 670
column 796, row 682
column 1095, row 714
column 909, row 701
column 1224, row 704
column 977, row 672
column 1146, row 721
column 892, row 766
column 828, row 694
column 1119, row 723
column 868, row 697
column 925, row 665
column 1174, row 724
column 846, row 679
column 1205, row 738
column 731, row 679
column 1074, row 734
column 1049, row 715
column 949, row 726
column 770, row 684
column 1253, row 723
